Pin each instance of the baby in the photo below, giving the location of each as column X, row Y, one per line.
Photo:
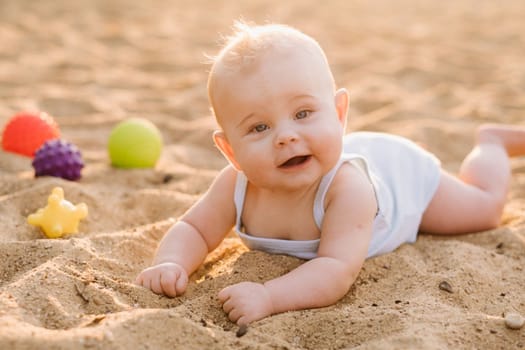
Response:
column 297, row 185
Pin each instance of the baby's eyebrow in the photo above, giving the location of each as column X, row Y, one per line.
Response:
column 243, row 120
column 301, row 96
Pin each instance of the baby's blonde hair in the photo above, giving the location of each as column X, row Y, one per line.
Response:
column 248, row 43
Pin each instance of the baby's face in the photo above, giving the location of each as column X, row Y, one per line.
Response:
column 280, row 119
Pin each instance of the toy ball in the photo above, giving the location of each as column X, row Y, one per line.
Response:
column 60, row 216
column 58, row 158
column 25, row 132
column 135, row 143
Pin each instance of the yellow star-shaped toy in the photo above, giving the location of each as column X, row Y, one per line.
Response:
column 60, row 216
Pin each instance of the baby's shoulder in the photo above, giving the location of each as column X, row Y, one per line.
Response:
column 225, row 180
column 352, row 183
column 349, row 175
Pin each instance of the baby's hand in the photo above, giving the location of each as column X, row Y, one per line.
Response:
column 167, row 278
column 246, row 302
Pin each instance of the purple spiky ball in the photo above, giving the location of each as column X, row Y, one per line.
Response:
column 58, row 158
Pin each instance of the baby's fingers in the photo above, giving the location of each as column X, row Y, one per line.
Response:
column 156, row 286
column 234, row 315
column 143, row 280
column 150, row 279
column 167, row 284
column 182, row 283
column 174, row 283
column 139, row 280
column 224, row 294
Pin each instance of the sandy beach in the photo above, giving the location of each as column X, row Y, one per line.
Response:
column 426, row 70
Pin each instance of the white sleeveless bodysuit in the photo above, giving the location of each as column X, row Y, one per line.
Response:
column 405, row 178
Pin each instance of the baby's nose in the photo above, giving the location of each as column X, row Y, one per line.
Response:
column 286, row 135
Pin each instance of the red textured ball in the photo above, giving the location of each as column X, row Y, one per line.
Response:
column 58, row 158
column 25, row 132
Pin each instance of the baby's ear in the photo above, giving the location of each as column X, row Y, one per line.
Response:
column 341, row 105
column 219, row 137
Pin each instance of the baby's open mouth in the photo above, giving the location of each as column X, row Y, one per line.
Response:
column 294, row 161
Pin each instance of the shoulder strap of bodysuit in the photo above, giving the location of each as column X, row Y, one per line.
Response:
column 238, row 197
column 324, row 185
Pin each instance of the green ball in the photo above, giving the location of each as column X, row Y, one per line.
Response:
column 135, row 143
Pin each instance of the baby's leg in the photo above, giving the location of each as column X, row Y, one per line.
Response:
column 474, row 200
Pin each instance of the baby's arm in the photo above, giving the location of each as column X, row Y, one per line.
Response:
column 346, row 233
column 186, row 244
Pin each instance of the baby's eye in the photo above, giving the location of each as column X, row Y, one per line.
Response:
column 260, row 128
column 302, row 114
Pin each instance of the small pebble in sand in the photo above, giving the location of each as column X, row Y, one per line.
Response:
column 242, row 330
column 444, row 285
column 514, row 320
column 167, row 178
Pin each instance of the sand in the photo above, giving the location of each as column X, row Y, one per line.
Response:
column 428, row 71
